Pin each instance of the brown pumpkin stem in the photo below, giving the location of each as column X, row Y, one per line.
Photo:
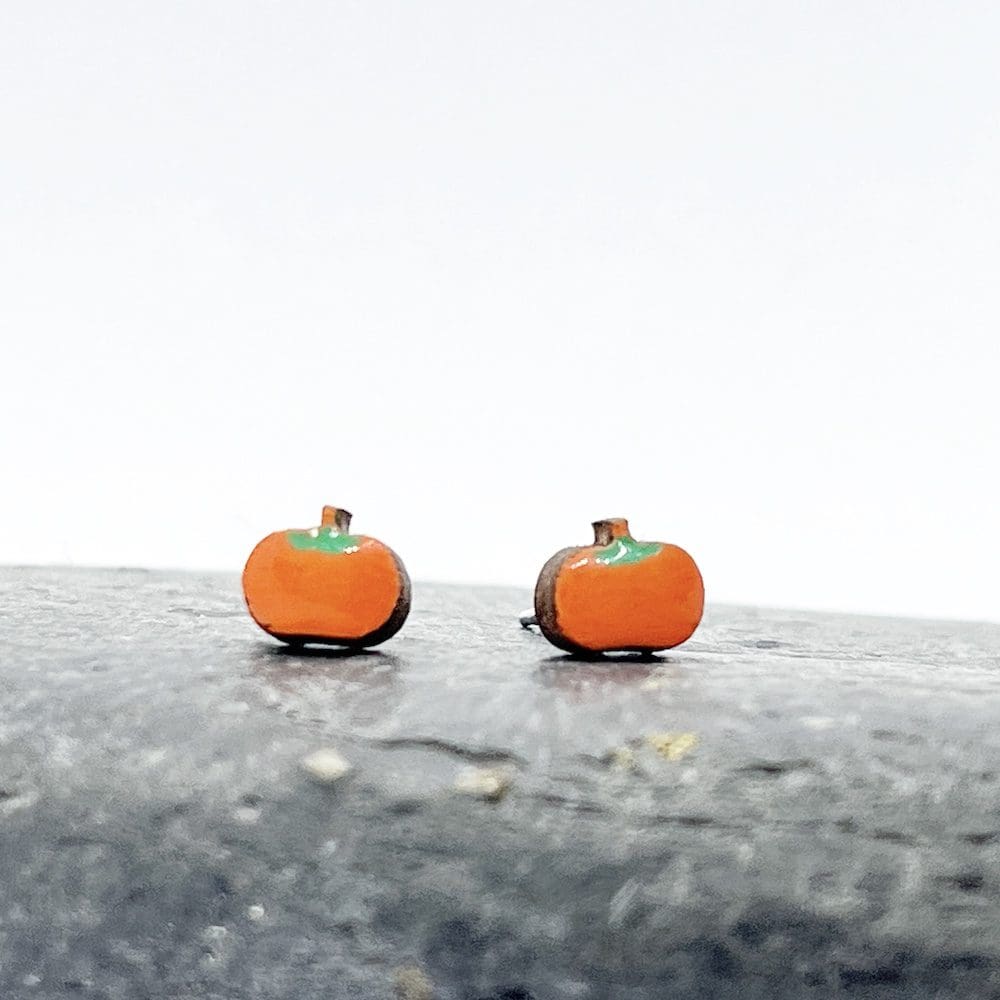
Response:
column 334, row 517
column 606, row 531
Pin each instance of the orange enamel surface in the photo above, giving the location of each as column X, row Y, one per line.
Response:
column 652, row 604
column 295, row 592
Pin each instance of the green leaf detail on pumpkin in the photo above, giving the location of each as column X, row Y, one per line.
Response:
column 623, row 551
column 325, row 539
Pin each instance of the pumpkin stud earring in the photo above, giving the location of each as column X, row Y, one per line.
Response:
column 325, row 585
column 618, row 595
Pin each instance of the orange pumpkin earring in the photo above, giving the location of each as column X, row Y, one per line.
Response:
column 618, row 594
column 325, row 585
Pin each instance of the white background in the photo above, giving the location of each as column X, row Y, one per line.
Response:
column 483, row 272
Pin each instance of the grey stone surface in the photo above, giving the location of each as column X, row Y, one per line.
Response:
column 823, row 819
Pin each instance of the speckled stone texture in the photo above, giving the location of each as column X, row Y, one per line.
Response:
column 791, row 805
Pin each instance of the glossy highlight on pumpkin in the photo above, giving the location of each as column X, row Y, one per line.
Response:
column 619, row 594
column 326, row 585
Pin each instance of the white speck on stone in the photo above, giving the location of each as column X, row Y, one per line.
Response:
column 214, row 932
column 622, row 902
column 818, row 722
column 31, row 980
column 246, row 814
column 330, row 846
column 325, row 766
column 234, row 708
column 20, row 800
column 65, row 752
column 255, row 912
column 573, row 988
column 488, row 783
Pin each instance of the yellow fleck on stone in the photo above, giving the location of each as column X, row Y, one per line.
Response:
column 325, row 766
column 621, row 759
column 489, row 783
column 412, row 984
column 656, row 680
column 673, row 746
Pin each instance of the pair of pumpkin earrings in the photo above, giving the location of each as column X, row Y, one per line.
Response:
column 326, row 585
